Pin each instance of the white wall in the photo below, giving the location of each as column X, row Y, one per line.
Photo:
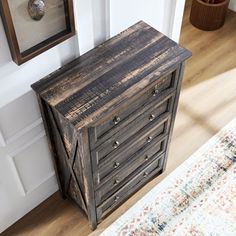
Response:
column 232, row 5
column 15, row 80
column 27, row 176
column 164, row 15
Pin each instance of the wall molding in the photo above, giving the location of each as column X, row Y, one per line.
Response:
column 84, row 23
column 11, row 157
column 24, row 191
column 177, row 12
column 28, row 144
column 2, row 140
column 16, row 173
column 107, row 18
column 24, row 131
column 51, row 175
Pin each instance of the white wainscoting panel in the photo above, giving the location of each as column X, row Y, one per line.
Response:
column 15, row 175
column 13, row 203
column 33, row 163
column 2, row 140
column 27, row 177
column 19, row 116
column 23, row 140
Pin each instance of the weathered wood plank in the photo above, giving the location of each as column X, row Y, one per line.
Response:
column 130, row 188
column 119, row 79
column 135, row 75
column 97, row 61
column 83, row 141
column 103, row 130
column 59, row 168
column 93, row 81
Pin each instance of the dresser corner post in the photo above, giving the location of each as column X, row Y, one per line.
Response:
column 88, row 178
column 179, row 77
column 52, row 146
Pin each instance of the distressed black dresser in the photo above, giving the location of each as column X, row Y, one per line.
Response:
column 109, row 116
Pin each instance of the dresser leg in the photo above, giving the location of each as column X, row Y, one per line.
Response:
column 93, row 226
column 64, row 197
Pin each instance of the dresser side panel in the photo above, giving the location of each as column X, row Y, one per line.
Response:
column 58, row 158
column 179, row 77
column 83, row 142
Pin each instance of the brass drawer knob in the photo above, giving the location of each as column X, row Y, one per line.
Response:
column 145, row 174
column 117, row 181
column 146, row 158
column 117, row 198
column 151, row 117
column 155, row 91
column 116, row 144
column 116, row 120
column 116, row 165
column 149, row 139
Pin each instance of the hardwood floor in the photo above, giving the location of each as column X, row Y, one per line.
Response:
column 207, row 103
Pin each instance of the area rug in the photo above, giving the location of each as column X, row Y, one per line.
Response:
column 198, row 198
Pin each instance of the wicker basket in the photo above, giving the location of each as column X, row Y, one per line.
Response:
column 208, row 16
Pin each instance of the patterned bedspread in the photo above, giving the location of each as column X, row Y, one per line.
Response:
column 198, row 198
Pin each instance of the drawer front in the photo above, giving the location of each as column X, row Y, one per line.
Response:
column 129, row 188
column 116, row 179
column 152, row 113
column 112, row 170
column 159, row 128
column 104, row 129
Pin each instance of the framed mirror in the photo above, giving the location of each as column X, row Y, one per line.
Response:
column 34, row 26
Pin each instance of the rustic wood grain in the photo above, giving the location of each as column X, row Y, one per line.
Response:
column 89, row 193
column 134, row 127
column 80, row 94
column 138, row 180
column 159, row 127
column 202, row 112
column 95, row 62
column 142, row 157
column 135, row 75
column 105, row 128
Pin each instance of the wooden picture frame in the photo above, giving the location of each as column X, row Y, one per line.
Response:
column 20, row 56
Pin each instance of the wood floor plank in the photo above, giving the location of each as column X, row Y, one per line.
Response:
column 207, row 103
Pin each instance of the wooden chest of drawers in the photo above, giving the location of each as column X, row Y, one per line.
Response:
column 109, row 116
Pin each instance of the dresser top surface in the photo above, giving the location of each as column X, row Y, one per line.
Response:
column 83, row 89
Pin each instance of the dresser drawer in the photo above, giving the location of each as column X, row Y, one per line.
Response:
column 145, row 136
column 105, row 129
column 148, row 138
column 119, row 177
column 120, row 167
column 152, row 112
column 139, row 179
